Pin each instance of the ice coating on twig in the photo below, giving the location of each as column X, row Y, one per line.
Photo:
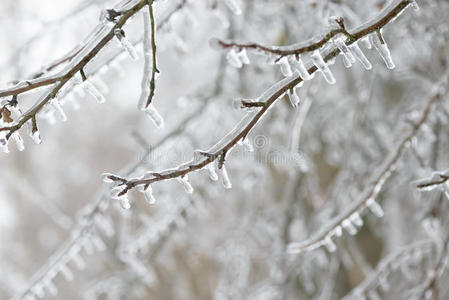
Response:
column 322, row 66
column 154, row 115
column 126, row 44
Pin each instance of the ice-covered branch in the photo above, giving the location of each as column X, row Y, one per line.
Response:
column 148, row 81
column 350, row 218
column 100, row 37
column 437, row 179
column 411, row 254
column 218, row 152
column 388, row 14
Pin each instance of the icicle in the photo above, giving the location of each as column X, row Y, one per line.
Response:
column 93, row 91
column 50, row 286
column 338, row 231
column 36, row 137
column 329, row 243
column 414, row 5
column 79, row 261
column 243, row 56
column 285, row 66
column 379, row 43
column 375, row 208
column 349, row 227
column 225, row 178
column 358, row 53
column 38, row 290
column 356, row 219
column 348, row 57
column 98, row 243
column 233, row 6
column 66, row 272
column 154, row 115
column 366, row 42
column 293, row 97
column 211, row 170
column 149, row 197
column 384, row 284
column 233, row 58
column 317, row 59
column 299, row 66
column 18, row 140
column 186, row 184
column 58, row 108
column 120, row 35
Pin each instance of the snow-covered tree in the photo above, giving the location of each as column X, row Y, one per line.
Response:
column 243, row 149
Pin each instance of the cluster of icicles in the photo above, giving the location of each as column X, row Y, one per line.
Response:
column 294, row 65
column 118, row 184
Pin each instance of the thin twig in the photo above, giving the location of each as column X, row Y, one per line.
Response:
column 154, row 69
